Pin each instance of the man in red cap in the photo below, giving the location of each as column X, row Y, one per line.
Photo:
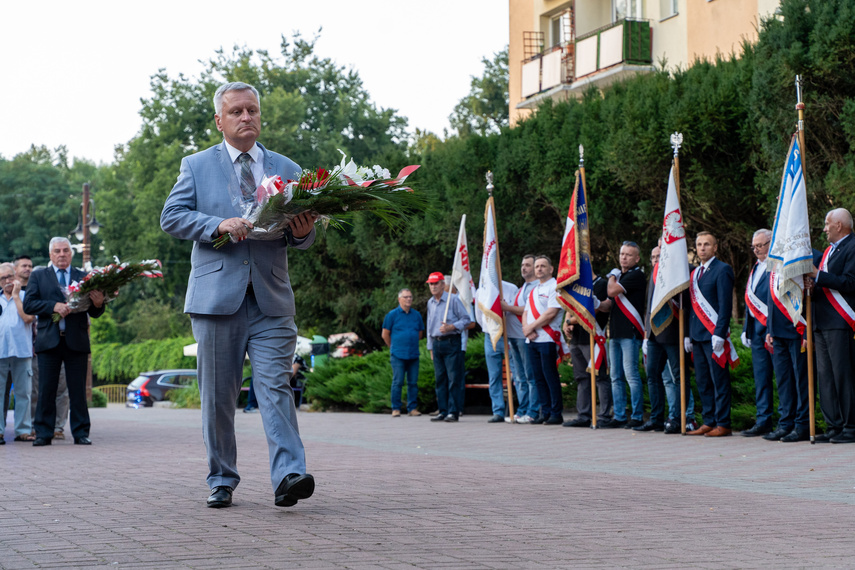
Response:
column 446, row 319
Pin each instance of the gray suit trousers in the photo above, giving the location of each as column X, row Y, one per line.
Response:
column 223, row 342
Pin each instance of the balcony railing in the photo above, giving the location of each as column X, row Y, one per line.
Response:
column 625, row 42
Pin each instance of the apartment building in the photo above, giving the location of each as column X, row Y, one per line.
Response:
column 559, row 48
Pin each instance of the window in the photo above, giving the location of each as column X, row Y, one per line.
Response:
column 667, row 8
column 623, row 9
column 561, row 29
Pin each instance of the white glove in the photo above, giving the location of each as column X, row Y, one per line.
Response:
column 644, row 347
column 717, row 343
column 687, row 344
column 614, row 273
column 596, row 303
column 745, row 342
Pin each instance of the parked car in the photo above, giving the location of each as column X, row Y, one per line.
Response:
column 151, row 387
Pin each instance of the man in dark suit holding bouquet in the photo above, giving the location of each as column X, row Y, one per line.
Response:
column 239, row 297
column 63, row 342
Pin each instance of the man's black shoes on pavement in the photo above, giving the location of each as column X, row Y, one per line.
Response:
column 632, row 424
column 776, row 435
column 846, row 436
column 613, row 424
column 496, row 419
column 294, row 487
column 82, row 441
column 554, row 420
column 578, row 422
column 796, row 435
column 220, row 497
column 451, row 418
column 826, row 437
column 41, row 441
column 757, row 430
column 438, row 418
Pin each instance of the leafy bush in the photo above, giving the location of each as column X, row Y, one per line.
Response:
column 187, row 397
column 116, row 362
column 99, row 399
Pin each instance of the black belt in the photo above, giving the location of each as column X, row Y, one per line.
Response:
column 61, row 333
column 447, row 337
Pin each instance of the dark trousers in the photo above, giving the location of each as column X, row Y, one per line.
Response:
column 579, row 355
column 835, row 350
column 761, row 360
column 658, row 356
column 448, row 372
column 791, row 371
column 543, row 357
column 713, row 384
column 50, row 362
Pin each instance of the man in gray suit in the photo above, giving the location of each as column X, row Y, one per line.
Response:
column 239, row 297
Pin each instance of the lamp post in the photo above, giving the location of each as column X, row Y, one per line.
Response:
column 86, row 225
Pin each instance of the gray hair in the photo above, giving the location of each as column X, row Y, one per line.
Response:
column 233, row 86
column 8, row 266
column 401, row 292
column 762, row 232
column 841, row 215
column 58, row 239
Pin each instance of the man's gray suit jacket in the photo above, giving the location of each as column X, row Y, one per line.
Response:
column 199, row 201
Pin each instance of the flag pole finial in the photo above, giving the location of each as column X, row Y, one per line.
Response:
column 800, row 106
column 581, row 156
column 489, row 182
column 677, row 142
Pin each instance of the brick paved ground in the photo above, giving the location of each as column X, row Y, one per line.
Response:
column 405, row 493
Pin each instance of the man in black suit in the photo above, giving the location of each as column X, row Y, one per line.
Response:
column 63, row 342
column 711, row 289
column 833, row 323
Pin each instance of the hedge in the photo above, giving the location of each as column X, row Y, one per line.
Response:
column 116, row 362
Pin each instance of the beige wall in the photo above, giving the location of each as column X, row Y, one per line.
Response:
column 719, row 26
column 521, row 20
column 669, row 35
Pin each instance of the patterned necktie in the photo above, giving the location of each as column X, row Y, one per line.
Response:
column 247, row 181
column 700, row 272
column 62, row 282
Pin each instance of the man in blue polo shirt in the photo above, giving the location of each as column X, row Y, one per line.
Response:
column 403, row 328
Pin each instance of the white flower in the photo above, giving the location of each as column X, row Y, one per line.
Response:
column 349, row 169
column 382, row 173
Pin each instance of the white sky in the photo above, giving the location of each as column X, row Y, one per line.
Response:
column 79, row 69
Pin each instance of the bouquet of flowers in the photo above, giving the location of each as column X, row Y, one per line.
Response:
column 332, row 195
column 108, row 280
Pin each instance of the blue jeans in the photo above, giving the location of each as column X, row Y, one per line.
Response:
column 524, row 381
column 623, row 363
column 495, row 360
column 543, row 356
column 448, row 369
column 408, row 367
column 663, row 375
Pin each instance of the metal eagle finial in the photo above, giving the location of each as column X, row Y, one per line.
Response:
column 677, row 142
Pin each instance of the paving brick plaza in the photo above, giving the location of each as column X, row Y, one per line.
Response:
column 408, row 493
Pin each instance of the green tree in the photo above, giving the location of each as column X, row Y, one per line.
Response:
column 485, row 109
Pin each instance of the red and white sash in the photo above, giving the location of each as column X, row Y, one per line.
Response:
column 757, row 307
column 630, row 313
column 834, row 297
column 553, row 334
column 708, row 317
column 517, row 298
column 773, row 287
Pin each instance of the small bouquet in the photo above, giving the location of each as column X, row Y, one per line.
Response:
column 333, row 195
column 109, row 280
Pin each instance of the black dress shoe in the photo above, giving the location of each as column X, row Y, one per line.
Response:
column 438, row 418
column 844, row 437
column 540, row 419
column 632, row 424
column 578, row 422
column 796, row 435
column 220, row 497
column 496, row 419
column 826, row 437
column 776, row 435
column 650, row 426
column 451, row 418
column 614, row 424
column 555, row 420
column 41, row 441
column 294, row 487
column 82, row 441
column 757, row 430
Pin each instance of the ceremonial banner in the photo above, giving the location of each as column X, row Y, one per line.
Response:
column 672, row 275
column 461, row 277
column 790, row 253
column 575, row 279
column 489, row 300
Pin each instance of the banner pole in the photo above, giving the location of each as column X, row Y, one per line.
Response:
column 506, row 360
column 593, row 365
column 677, row 142
column 800, row 107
